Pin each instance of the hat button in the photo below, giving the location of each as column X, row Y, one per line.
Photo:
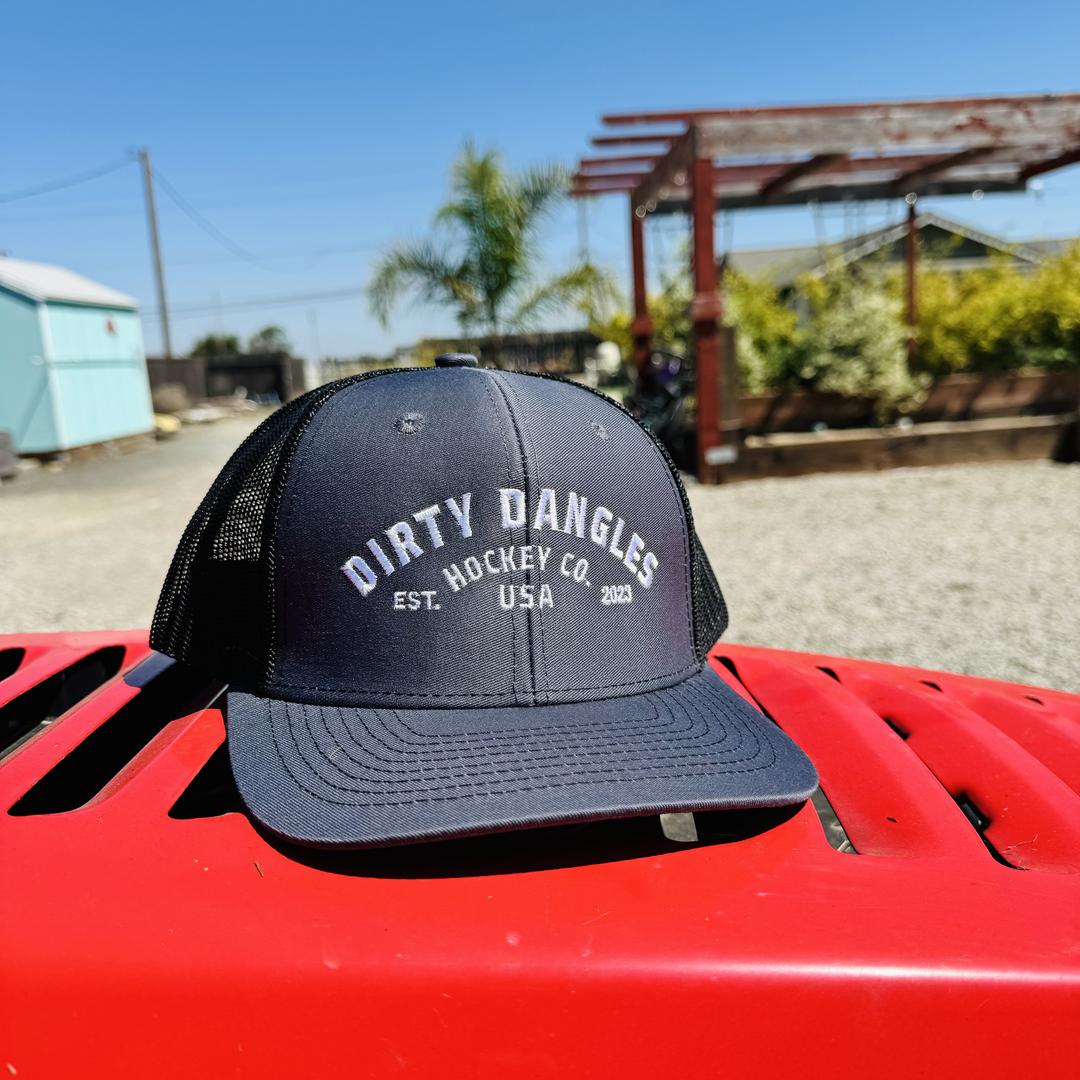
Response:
column 456, row 359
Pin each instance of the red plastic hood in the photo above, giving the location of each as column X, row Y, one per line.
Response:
column 922, row 917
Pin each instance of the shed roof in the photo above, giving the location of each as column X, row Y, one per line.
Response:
column 44, row 281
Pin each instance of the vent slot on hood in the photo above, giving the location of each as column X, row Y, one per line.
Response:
column 831, row 825
column 43, row 703
column 980, row 823
column 175, row 691
column 212, row 793
column 10, row 659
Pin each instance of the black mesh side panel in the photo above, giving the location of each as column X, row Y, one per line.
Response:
column 215, row 611
column 710, row 609
column 710, row 612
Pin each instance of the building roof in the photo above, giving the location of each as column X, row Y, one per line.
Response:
column 783, row 265
column 43, row 281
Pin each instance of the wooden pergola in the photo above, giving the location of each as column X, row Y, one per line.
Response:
column 700, row 160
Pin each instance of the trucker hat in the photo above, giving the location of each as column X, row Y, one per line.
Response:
column 456, row 600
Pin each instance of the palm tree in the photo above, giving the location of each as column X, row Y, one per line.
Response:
column 481, row 261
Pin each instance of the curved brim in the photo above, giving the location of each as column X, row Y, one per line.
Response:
column 327, row 776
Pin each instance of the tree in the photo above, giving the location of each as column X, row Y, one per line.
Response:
column 270, row 339
column 216, row 345
column 481, row 260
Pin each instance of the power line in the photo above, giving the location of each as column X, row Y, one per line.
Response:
column 197, row 310
column 207, row 226
column 288, row 253
column 65, row 182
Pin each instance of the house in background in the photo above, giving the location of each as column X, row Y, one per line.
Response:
column 72, row 367
column 943, row 245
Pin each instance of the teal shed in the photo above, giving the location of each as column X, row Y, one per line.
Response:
column 72, row 365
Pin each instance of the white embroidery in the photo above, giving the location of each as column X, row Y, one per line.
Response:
column 648, row 565
column 545, row 510
column 513, row 512
column 360, row 574
column 633, row 552
column 403, row 542
column 427, row 516
column 600, row 520
column 381, row 555
column 461, row 513
column 512, row 505
column 575, row 514
column 614, row 548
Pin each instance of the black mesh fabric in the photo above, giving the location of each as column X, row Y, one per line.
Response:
column 215, row 611
column 216, row 608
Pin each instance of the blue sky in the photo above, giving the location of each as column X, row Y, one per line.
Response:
column 315, row 134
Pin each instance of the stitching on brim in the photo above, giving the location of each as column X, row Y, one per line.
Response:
column 716, row 769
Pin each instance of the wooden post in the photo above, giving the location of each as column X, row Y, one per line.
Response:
column 641, row 327
column 705, row 312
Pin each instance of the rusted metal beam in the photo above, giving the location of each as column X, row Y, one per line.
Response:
column 633, row 140
column 1054, row 122
column 912, row 178
column 837, row 109
column 622, row 177
column 641, row 327
column 705, row 312
column 588, row 164
column 1037, row 168
column 672, row 170
column 771, row 188
column 583, row 190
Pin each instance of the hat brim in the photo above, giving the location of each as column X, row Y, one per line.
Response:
column 329, row 776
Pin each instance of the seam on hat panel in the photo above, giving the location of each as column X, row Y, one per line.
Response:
column 535, row 614
column 292, row 454
column 673, row 478
column 509, row 474
column 529, row 482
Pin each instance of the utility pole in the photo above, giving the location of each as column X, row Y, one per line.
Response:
column 155, row 248
column 583, row 229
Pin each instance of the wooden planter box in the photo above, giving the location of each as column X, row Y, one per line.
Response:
column 956, row 397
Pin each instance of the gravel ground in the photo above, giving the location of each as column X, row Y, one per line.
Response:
column 969, row 568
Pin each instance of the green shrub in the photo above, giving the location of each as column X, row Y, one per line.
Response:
column 769, row 347
column 1053, row 331
column 853, row 339
column 998, row 319
column 857, row 343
